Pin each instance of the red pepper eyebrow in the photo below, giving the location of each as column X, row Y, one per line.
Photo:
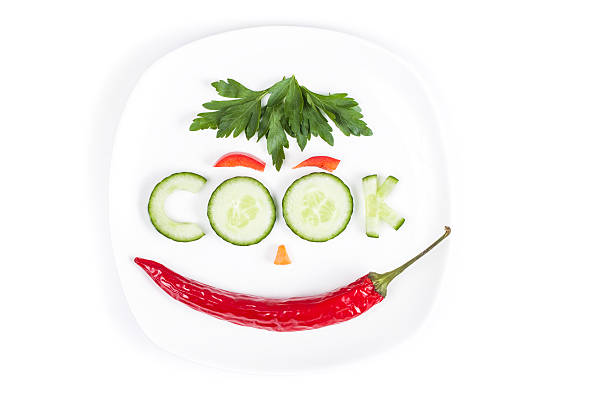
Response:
column 241, row 159
column 322, row 162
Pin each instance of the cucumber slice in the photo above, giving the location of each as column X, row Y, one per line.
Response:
column 317, row 207
column 177, row 231
column 241, row 211
column 371, row 205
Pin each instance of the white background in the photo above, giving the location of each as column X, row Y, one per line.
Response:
column 523, row 317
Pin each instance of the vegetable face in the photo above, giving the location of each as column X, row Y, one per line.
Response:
column 284, row 315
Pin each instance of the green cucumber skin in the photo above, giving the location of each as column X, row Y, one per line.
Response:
column 159, row 185
column 220, row 234
column 348, row 219
column 371, row 229
column 399, row 224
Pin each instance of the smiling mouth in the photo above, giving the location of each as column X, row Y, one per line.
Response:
column 282, row 315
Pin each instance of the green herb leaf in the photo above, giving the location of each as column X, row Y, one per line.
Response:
column 342, row 111
column 235, row 118
column 291, row 110
column 232, row 89
column 206, row 120
column 264, row 124
column 276, row 138
column 278, row 91
column 316, row 123
column 293, row 106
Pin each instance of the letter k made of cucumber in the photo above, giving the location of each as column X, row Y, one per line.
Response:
column 375, row 207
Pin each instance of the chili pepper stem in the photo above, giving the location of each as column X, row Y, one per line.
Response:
column 382, row 280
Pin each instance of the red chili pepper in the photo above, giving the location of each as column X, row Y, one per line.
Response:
column 237, row 159
column 322, row 162
column 290, row 314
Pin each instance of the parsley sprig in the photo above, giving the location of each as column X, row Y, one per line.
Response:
column 291, row 110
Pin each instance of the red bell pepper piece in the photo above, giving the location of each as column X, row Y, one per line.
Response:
column 322, row 162
column 238, row 159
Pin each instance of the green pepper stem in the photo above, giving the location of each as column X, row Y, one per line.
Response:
column 382, row 280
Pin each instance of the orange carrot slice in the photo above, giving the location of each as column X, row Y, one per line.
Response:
column 282, row 258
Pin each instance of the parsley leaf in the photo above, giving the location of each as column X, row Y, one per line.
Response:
column 276, row 138
column 278, row 92
column 315, row 123
column 341, row 109
column 291, row 110
column 294, row 103
column 232, row 89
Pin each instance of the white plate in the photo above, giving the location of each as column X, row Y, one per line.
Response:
column 153, row 141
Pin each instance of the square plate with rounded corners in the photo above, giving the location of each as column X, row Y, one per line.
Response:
column 153, row 141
